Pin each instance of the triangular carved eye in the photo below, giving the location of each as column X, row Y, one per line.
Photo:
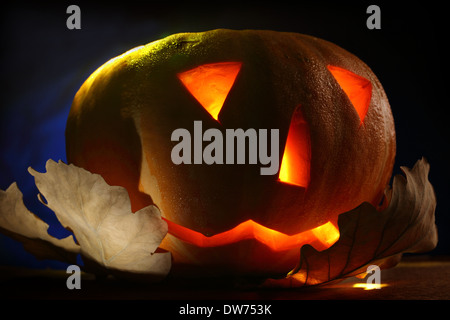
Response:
column 357, row 89
column 211, row 83
column 296, row 161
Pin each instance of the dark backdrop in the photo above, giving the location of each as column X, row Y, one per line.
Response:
column 43, row 64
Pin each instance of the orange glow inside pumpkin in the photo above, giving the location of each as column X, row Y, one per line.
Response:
column 357, row 89
column 211, row 83
column 296, row 161
column 321, row 237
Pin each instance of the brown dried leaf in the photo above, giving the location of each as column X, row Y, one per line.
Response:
column 368, row 236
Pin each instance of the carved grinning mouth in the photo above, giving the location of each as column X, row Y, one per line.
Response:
column 321, row 237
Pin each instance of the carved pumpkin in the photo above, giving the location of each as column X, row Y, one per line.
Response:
column 336, row 142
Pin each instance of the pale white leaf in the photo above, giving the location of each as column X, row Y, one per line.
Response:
column 100, row 216
column 20, row 224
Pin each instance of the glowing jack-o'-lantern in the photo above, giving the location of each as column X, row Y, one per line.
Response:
column 336, row 142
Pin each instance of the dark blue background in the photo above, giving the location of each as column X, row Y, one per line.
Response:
column 43, row 64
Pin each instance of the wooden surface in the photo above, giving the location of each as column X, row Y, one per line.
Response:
column 412, row 279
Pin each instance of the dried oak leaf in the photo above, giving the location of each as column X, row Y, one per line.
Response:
column 111, row 238
column 369, row 236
